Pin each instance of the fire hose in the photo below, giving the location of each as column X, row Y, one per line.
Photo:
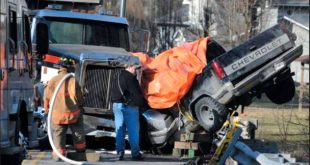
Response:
column 49, row 131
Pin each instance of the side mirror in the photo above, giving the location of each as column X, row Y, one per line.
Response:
column 142, row 37
column 42, row 38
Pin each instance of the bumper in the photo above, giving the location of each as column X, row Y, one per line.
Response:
column 91, row 123
column 228, row 91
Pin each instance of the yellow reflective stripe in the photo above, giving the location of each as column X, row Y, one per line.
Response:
column 66, row 114
column 65, row 117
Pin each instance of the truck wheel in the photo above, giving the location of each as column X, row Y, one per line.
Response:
column 44, row 143
column 210, row 114
column 282, row 91
column 14, row 159
column 42, row 130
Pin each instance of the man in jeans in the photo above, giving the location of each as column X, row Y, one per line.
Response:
column 127, row 97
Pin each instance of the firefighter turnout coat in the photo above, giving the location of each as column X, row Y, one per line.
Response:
column 66, row 108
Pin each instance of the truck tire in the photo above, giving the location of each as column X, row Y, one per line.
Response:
column 210, row 114
column 44, row 143
column 281, row 92
column 14, row 159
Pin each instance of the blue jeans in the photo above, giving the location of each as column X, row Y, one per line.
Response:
column 126, row 117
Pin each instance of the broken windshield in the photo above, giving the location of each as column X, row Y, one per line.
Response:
column 87, row 32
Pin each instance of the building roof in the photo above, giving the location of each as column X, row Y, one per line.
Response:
column 292, row 3
column 78, row 1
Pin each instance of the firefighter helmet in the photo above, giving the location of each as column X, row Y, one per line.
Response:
column 65, row 62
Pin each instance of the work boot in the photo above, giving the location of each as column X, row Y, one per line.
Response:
column 56, row 158
column 121, row 155
column 138, row 157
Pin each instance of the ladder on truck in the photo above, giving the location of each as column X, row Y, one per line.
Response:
column 229, row 145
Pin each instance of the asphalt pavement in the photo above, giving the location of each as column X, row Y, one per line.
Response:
column 37, row 157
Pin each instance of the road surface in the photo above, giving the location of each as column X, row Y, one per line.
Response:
column 106, row 157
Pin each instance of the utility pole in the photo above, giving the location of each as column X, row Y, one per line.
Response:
column 122, row 8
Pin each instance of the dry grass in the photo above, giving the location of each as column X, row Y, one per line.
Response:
column 288, row 127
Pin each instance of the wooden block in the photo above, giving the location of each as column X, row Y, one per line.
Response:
column 177, row 152
column 183, row 137
column 185, row 145
column 196, row 137
column 191, row 153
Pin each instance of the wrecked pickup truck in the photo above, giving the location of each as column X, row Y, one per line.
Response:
column 233, row 78
column 230, row 79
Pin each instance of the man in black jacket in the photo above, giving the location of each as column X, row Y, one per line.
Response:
column 127, row 97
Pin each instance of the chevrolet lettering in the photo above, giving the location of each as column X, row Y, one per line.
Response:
column 246, row 60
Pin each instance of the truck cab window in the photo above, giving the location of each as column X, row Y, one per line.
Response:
column 12, row 30
column 106, row 35
column 26, row 32
column 26, row 45
column 88, row 32
column 65, row 33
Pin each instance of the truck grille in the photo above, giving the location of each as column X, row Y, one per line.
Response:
column 98, row 82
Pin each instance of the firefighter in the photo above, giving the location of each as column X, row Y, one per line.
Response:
column 67, row 113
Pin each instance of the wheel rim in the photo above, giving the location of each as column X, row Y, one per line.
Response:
column 207, row 114
column 42, row 133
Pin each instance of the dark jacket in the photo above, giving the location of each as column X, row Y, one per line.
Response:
column 131, row 90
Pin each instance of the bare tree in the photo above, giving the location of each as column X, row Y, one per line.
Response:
column 237, row 19
column 167, row 22
column 159, row 17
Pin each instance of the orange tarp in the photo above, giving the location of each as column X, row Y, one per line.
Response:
column 169, row 76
